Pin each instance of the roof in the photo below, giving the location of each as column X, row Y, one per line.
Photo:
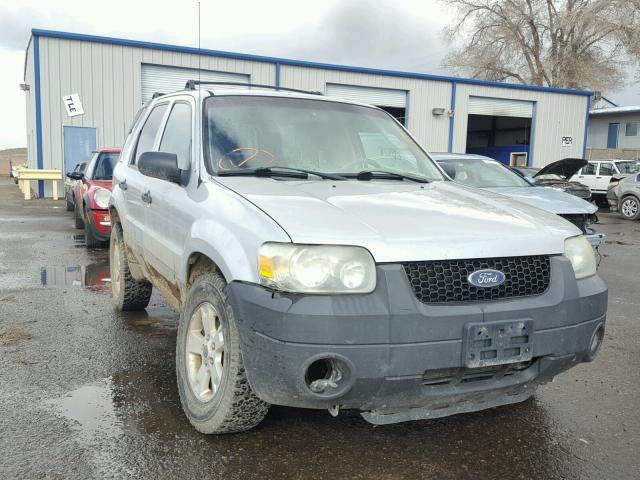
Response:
column 108, row 150
column 615, row 110
column 299, row 63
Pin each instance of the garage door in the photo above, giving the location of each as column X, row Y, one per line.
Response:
column 381, row 97
column 500, row 107
column 160, row 78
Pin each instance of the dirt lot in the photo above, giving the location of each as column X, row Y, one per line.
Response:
column 88, row 393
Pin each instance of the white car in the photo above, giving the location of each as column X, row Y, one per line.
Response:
column 311, row 271
column 489, row 174
column 597, row 175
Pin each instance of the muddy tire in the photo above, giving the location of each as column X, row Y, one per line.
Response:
column 78, row 220
column 127, row 293
column 90, row 240
column 212, row 382
column 630, row 208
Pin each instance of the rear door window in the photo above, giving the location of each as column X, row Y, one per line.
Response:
column 149, row 132
column 177, row 134
column 606, row 169
column 589, row 169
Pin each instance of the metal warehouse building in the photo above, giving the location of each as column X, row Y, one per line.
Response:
column 82, row 92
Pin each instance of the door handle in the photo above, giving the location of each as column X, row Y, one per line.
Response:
column 146, row 197
column 598, row 178
column 122, row 184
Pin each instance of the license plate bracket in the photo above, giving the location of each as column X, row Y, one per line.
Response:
column 497, row 343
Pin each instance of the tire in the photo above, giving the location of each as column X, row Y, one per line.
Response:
column 69, row 206
column 77, row 218
column 90, row 240
column 127, row 293
column 630, row 207
column 232, row 406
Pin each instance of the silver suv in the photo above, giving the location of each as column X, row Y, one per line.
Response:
column 319, row 258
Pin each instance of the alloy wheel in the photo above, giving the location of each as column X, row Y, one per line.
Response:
column 205, row 352
column 629, row 207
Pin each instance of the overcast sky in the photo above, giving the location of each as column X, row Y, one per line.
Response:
column 391, row 34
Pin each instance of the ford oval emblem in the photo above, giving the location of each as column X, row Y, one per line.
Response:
column 486, row 278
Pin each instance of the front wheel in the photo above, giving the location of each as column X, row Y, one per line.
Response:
column 630, row 208
column 212, row 382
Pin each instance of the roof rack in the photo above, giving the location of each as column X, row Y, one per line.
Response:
column 191, row 85
column 157, row 94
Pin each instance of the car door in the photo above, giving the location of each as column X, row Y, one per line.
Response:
column 168, row 217
column 135, row 187
column 605, row 172
column 587, row 175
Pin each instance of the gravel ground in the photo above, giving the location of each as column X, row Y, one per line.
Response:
column 88, row 393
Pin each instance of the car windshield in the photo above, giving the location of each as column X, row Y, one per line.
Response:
column 628, row 167
column 103, row 169
column 247, row 133
column 482, row 173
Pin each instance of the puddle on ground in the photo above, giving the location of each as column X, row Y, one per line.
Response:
column 95, row 276
column 92, row 408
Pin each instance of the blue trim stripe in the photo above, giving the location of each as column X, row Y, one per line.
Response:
column 297, row 63
column 586, row 130
column 277, row 82
column 36, row 74
column 452, row 115
column 532, row 135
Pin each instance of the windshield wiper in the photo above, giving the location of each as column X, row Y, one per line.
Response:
column 288, row 172
column 385, row 175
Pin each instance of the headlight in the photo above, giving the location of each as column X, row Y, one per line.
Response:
column 579, row 251
column 101, row 197
column 316, row 268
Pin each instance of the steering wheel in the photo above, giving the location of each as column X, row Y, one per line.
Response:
column 226, row 161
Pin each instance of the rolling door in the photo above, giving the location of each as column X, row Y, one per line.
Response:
column 500, row 107
column 164, row 79
column 381, row 97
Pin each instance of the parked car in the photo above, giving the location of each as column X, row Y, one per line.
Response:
column 556, row 175
column 91, row 193
column 489, row 174
column 598, row 174
column 311, row 272
column 70, row 186
column 624, row 197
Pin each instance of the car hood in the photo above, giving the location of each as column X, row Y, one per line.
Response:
column 546, row 198
column 404, row 221
column 566, row 167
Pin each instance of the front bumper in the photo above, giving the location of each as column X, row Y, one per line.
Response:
column 389, row 345
column 99, row 222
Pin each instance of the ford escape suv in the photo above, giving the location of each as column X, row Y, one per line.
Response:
column 319, row 258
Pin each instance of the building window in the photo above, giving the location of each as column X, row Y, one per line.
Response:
column 632, row 129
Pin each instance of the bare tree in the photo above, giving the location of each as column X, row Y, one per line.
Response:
column 591, row 44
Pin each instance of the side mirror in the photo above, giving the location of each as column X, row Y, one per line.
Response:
column 161, row 165
column 75, row 175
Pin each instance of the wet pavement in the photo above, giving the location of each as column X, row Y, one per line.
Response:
column 88, row 393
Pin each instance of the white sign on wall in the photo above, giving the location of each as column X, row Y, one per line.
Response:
column 567, row 141
column 73, row 105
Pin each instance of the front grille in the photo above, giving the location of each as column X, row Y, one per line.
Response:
column 445, row 281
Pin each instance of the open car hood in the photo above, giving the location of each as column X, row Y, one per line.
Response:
column 567, row 167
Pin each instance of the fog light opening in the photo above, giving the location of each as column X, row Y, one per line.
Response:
column 322, row 375
column 596, row 343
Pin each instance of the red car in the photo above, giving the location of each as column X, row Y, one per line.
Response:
column 92, row 196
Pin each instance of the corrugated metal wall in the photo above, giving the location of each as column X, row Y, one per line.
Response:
column 107, row 78
column 431, row 131
column 30, row 103
column 557, row 115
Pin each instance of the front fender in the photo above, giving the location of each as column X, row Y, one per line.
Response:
column 234, row 250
